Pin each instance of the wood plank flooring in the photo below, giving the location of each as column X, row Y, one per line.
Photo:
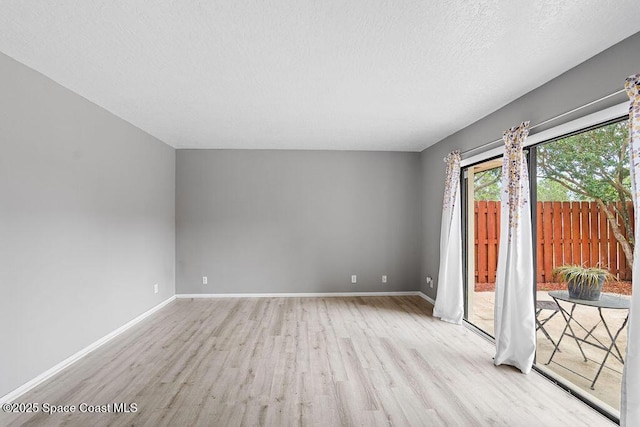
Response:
column 361, row 361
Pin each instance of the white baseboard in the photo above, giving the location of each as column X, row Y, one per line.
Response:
column 79, row 355
column 425, row 297
column 301, row 295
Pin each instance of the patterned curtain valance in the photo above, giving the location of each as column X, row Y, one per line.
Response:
column 513, row 169
column 632, row 86
column 452, row 178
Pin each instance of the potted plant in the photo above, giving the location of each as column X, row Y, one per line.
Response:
column 583, row 283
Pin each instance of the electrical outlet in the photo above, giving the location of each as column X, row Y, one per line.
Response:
column 384, row 278
column 354, row 279
column 204, row 280
column 155, row 288
column 430, row 281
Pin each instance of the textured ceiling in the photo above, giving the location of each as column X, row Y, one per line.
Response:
column 302, row 74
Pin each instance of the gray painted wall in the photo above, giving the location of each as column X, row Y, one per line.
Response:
column 86, row 223
column 297, row 221
column 599, row 76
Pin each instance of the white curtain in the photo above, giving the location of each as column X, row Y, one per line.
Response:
column 514, row 316
column 449, row 302
column 630, row 401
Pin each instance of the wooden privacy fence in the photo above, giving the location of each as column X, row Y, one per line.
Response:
column 568, row 233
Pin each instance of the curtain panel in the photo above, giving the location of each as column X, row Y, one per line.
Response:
column 630, row 399
column 449, row 305
column 514, row 314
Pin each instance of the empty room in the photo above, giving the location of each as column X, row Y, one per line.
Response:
column 365, row 213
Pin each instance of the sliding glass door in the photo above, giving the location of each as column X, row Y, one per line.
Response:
column 582, row 216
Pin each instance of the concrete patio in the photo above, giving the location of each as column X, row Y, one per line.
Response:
column 569, row 363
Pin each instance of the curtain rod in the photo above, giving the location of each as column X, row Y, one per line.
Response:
column 549, row 120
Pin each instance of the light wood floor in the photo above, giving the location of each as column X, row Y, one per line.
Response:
column 303, row 361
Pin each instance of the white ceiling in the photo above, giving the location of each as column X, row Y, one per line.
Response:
column 303, row 74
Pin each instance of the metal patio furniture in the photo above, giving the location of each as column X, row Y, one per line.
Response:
column 608, row 301
column 546, row 305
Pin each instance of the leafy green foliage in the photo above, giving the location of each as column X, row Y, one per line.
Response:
column 594, row 166
column 582, row 276
column 552, row 191
column 591, row 165
column 487, row 184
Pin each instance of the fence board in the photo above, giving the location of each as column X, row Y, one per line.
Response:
column 548, row 239
column 482, row 242
column 567, row 257
column 593, row 235
column 576, row 236
column 539, row 245
column 622, row 268
column 492, row 240
column 584, row 231
column 613, row 250
column 476, row 258
column 604, row 239
column 557, row 233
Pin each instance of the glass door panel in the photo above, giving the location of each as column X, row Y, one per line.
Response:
column 483, row 188
column 584, row 217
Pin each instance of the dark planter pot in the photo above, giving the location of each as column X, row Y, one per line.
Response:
column 588, row 293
